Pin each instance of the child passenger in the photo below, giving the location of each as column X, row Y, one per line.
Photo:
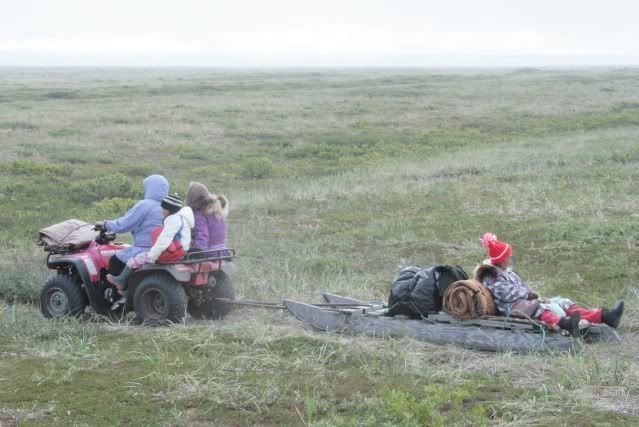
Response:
column 513, row 294
column 210, row 211
column 178, row 222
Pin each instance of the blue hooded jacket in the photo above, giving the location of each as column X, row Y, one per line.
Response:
column 141, row 218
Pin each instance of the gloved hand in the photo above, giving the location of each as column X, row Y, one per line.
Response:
column 99, row 226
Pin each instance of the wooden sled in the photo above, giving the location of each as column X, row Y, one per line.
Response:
column 494, row 333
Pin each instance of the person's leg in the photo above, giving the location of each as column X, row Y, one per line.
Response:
column 612, row 317
column 116, row 265
column 549, row 317
column 592, row 315
column 570, row 324
column 120, row 281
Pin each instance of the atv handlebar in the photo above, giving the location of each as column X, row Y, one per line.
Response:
column 105, row 237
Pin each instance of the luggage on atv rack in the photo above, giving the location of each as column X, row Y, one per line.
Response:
column 67, row 236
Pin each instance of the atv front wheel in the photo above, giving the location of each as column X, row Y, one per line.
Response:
column 159, row 299
column 208, row 307
column 62, row 295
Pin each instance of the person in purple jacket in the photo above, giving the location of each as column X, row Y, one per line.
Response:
column 139, row 220
column 211, row 211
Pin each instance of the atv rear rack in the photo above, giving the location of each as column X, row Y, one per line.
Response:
column 203, row 256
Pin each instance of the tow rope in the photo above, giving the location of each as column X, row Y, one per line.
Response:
column 279, row 306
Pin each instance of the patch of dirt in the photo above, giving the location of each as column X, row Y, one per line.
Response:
column 6, row 421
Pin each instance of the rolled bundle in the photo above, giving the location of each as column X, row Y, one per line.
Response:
column 468, row 299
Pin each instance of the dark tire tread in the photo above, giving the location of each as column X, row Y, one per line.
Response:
column 173, row 294
column 209, row 308
column 72, row 288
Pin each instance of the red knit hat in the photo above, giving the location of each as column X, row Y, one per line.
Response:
column 497, row 251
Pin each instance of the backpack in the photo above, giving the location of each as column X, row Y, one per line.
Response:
column 446, row 275
column 175, row 251
column 417, row 291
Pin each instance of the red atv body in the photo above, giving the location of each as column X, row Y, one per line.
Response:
column 156, row 292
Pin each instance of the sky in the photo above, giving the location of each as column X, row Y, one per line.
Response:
column 324, row 33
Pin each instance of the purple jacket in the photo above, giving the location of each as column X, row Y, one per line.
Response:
column 209, row 232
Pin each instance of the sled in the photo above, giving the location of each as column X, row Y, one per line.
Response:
column 489, row 333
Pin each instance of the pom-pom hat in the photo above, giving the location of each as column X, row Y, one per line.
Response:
column 497, row 251
column 172, row 203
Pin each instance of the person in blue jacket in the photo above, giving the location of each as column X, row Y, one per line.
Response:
column 139, row 220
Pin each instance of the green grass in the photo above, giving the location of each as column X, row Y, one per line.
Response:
column 336, row 179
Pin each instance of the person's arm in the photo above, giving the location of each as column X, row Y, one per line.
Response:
column 172, row 225
column 200, row 233
column 531, row 293
column 127, row 221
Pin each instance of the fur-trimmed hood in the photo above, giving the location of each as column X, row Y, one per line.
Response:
column 485, row 270
column 200, row 199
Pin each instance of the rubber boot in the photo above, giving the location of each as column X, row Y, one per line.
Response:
column 571, row 324
column 612, row 317
column 121, row 280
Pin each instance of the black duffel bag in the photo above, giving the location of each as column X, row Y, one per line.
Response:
column 417, row 291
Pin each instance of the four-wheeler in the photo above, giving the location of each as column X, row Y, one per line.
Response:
column 158, row 293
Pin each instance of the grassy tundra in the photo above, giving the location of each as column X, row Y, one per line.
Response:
column 337, row 179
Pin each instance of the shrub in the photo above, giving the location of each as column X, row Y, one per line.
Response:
column 113, row 207
column 193, row 151
column 20, row 286
column 104, row 187
column 61, row 94
column 17, row 125
column 62, row 132
column 257, row 169
column 30, row 167
column 139, row 170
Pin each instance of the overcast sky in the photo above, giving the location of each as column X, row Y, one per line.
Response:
column 319, row 33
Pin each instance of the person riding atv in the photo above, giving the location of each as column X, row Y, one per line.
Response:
column 158, row 293
column 140, row 220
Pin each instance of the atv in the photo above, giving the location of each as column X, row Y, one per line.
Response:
column 158, row 293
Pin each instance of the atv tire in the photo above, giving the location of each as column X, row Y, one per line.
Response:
column 219, row 286
column 159, row 300
column 62, row 295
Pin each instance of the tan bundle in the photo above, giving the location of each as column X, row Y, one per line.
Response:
column 468, row 299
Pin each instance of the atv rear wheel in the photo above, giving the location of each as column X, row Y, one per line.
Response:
column 207, row 307
column 158, row 300
column 62, row 295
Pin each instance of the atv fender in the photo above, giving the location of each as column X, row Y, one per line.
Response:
column 62, row 262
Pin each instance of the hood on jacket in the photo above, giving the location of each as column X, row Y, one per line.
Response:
column 200, row 199
column 187, row 215
column 485, row 270
column 156, row 187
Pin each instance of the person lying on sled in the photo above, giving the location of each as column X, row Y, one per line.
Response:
column 513, row 296
column 172, row 241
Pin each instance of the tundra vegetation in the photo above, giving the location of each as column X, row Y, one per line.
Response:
column 337, row 179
